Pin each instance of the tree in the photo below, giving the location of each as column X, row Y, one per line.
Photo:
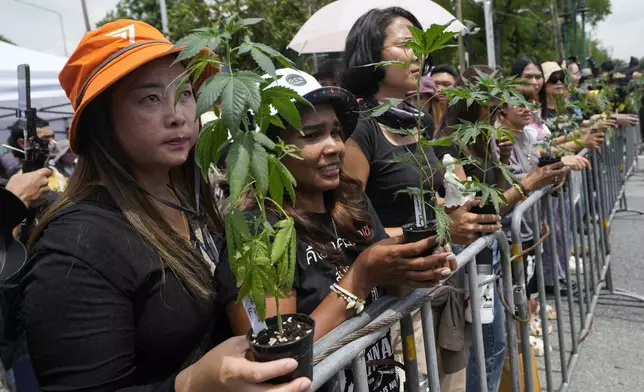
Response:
column 183, row 15
column 5, row 39
column 598, row 10
column 521, row 27
column 283, row 20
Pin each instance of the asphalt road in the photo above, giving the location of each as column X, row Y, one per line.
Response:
column 612, row 356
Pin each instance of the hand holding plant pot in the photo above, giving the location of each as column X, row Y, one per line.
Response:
column 226, row 369
column 505, row 149
column 540, row 177
column 593, row 141
column 393, row 261
column 466, row 226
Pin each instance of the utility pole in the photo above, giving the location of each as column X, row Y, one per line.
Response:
column 565, row 28
column 583, row 9
column 461, row 46
column 489, row 33
column 164, row 17
column 85, row 15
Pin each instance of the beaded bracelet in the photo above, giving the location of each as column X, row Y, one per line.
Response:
column 351, row 299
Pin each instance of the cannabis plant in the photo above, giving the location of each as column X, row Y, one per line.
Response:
column 422, row 43
column 261, row 249
column 491, row 91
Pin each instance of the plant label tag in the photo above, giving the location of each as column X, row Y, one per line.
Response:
column 419, row 212
column 251, row 311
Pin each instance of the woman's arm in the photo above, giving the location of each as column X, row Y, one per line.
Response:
column 356, row 165
column 389, row 261
column 331, row 312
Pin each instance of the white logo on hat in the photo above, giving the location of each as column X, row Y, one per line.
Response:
column 126, row 33
column 295, row 80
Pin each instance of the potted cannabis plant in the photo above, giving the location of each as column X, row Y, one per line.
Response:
column 430, row 217
column 261, row 250
column 491, row 91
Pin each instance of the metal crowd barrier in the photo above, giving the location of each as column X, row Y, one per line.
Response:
column 587, row 204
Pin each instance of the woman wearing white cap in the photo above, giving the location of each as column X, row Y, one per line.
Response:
column 341, row 245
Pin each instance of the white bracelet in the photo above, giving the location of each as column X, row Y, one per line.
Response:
column 351, row 299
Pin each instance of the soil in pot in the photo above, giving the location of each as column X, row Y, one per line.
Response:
column 414, row 233
column 296, row 342
column 545, row 161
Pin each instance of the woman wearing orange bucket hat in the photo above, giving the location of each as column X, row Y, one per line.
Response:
column 119, row 289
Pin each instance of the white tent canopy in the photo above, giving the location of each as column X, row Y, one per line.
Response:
column 46, row 93
column 44, row 72
column 327, row 30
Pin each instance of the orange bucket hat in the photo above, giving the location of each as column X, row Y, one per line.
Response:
column 104, row 56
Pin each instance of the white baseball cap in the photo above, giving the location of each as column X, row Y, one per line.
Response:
column 550, row 67
column 345, row 104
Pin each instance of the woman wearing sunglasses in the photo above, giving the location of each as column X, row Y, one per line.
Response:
column 380, row 35
column 554, row 90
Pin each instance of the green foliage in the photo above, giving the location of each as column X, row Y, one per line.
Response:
column 489, row 91
column 442, row 224
column 183, row 15
column 489, row 193
column 261, row 254
column 519, row 32
column 422, row 43
column 6, row 40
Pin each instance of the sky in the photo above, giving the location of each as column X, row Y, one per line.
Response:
column 622, row 32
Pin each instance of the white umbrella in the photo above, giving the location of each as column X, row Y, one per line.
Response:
column 327, row 30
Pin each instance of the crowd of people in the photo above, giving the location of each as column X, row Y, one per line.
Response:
column 123, row 289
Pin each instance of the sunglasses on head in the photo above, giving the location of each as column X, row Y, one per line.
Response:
column 556, row 78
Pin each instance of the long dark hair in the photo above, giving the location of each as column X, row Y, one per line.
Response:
column 347, row 205
column 517, row 70
column 96, row 140
column 364, row 46
column 348, row 209
column 479, row 149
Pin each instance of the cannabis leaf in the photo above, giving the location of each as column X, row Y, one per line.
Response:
column 442, row 224
column 212, row 139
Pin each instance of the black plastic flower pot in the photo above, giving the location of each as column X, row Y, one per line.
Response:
column 545, row 161
column 486, row 209
column 414, row 233
column 297, row 343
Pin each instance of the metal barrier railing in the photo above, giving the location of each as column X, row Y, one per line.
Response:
column 588, row 201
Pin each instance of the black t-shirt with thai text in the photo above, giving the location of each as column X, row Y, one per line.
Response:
column 313, row 277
